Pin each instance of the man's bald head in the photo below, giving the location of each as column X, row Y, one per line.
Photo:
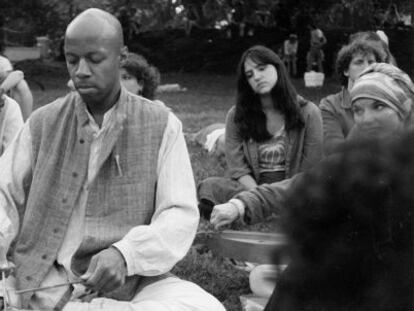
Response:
column 94, row 50
column 95, row 23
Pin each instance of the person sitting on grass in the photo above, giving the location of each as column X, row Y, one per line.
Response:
column 382, row 99
column 271, row 134
column 139, row 77
column 12, row 82
column 11, row 121
column 336, row 109
column 350, row 231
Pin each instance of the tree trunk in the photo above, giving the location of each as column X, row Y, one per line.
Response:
column 412, row 12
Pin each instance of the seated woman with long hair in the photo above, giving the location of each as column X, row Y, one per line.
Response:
column 271, row 133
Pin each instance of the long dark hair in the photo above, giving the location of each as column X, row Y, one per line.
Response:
column 249, row 116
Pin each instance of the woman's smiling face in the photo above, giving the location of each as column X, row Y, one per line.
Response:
column 376, row 118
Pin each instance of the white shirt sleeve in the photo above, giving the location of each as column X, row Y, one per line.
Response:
column 155, row 248
column 13, row 121
column 15, row 168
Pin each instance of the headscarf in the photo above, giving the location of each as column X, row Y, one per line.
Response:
column 388, row 84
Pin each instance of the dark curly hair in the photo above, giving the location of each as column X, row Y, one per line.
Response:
column 249, row 116
column 374, row 37
column 350, row 225
column 146, row 74
column 347, row 52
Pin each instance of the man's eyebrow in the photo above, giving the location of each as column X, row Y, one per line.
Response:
column 89, row 54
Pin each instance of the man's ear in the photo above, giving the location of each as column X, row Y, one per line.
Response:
column 124, row 53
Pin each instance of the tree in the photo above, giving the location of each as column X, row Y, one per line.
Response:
column 42, row 17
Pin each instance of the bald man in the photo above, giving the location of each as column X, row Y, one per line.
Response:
column 97, row 190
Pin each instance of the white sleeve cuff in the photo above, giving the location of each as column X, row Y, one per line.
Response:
column 124, row 248
column 240, row 207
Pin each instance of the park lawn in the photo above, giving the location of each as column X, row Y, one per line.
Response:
column 207, row 99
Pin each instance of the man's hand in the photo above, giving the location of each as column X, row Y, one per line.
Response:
column 107, row 271
column 224, row 214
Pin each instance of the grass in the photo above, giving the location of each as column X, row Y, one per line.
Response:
column 207, row 100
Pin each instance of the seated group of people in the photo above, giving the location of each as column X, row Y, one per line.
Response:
column 97, row 191
column 288, row 157
column 272, row 134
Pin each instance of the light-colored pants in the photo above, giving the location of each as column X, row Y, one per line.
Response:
column 170, row 294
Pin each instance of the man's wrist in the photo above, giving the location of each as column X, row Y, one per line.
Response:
column 123, row 249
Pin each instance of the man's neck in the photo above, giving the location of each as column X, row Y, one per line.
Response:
column 98, row 110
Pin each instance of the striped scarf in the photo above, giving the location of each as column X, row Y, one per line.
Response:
column 388, row 84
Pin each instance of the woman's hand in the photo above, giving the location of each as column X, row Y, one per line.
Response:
column 224, row 214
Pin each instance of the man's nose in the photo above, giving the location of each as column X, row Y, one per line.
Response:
column 83, row 69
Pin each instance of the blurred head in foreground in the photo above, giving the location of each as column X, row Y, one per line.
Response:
column 351, row 232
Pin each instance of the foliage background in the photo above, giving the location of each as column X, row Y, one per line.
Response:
column 208, row 48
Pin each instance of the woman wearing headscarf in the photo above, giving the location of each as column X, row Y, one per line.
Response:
column 382, row 99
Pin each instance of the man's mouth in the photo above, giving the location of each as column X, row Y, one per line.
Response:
column 85, row 88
